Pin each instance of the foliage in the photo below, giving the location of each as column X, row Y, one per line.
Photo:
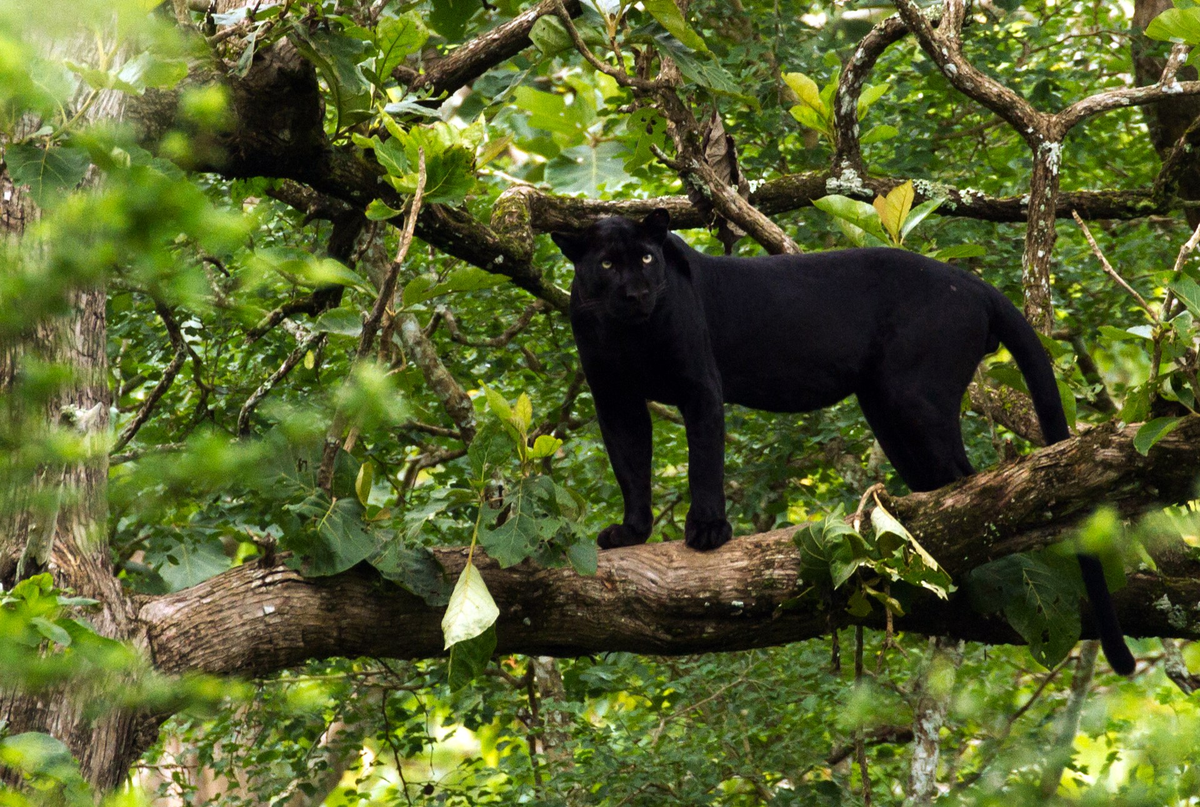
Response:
column 195, row 265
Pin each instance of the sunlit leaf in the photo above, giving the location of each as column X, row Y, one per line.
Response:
column 471, row 609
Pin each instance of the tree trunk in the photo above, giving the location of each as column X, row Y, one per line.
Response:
column 68, row 541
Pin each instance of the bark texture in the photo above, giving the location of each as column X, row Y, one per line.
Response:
column 665, row 598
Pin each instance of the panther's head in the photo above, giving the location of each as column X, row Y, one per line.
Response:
column 620, row 266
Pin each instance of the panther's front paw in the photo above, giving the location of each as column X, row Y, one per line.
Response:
column 704, row 535
column 615, row 535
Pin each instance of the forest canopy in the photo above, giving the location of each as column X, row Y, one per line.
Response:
column 300, row 478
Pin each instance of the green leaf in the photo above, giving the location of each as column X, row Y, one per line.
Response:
column 668, row 16
column 588, row 170
column 1123, row 334
column 471, row 609
column 870, row 94
column 830, row 550
column 492, row 448
column 525, row 525
column 341, row 321
column 469, row 658
column 893, row 208
column 550, row 111
column 584, row 556
column 497, row 403
column 51, row 631
column 415, row 569
column 1136, row 407
column 379, row 211
column 704, row 70
column 396, row 38
column 336, row 537
column 959, row 251
column 918, row 214
column 853, row 212
column 1039, row 595
column 647, row 128
column 807, row 91
column 1188, row 291
column 1176, row 25
column 151, row 70
column 338, row 58
column 1150, row 433
column 907, row 561
column 549, row 35
column 877, row 134
column 523, row 412
column 450, row 17
column 812, row 111
column 47, row 171
column 191, row 562
column 36, row 753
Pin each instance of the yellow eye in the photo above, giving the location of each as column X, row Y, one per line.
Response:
column 647, row 258
column 606, row 264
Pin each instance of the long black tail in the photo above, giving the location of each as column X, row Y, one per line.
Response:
column 1022, row 341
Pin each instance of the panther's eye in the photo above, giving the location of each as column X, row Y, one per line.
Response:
column 647, row 258
column 606, row 264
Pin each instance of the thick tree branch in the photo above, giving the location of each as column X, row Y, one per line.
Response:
column 471, row 60
column 666, row 598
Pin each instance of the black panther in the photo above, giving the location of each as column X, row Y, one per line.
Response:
column 656, row 320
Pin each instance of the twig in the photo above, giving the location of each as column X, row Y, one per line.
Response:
column 313, row 342
column 860, row 749
column 366, row 340
column 1060, row 753
column 503, row 339
column 164, row 383
column 1104, row 264
column 620, row 76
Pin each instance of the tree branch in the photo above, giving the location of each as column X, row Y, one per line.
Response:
column 471, row 60
column 666, row 598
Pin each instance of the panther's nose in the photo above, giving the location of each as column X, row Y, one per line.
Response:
column 637, row 295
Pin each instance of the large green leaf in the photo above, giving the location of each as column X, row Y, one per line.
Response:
column 1150, row 433
column 191, row 562
column 853, row 212
column 668, row 16
column 1039, row 595
column 525, row 525
column 334, row 537
column 414, row 568
column 450, row 17
column 491, row 449
column 589, row 171
column 1176, row 25
column 396, row 38
column 47, row 171
column 469, row 657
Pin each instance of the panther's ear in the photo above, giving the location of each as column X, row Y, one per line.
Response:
column 573, row 246
column 657, row 224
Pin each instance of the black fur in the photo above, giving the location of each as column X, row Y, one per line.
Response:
column 789, row 333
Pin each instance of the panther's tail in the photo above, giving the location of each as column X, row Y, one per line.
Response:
column 1022, row 341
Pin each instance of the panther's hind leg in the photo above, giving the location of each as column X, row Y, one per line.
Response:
column 920, row 435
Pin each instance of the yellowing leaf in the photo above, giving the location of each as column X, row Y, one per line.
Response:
column 894, row 208
column 523, row 412
column 544, row 446
column 363, row 482
column 806, row 90
column 471, row 610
